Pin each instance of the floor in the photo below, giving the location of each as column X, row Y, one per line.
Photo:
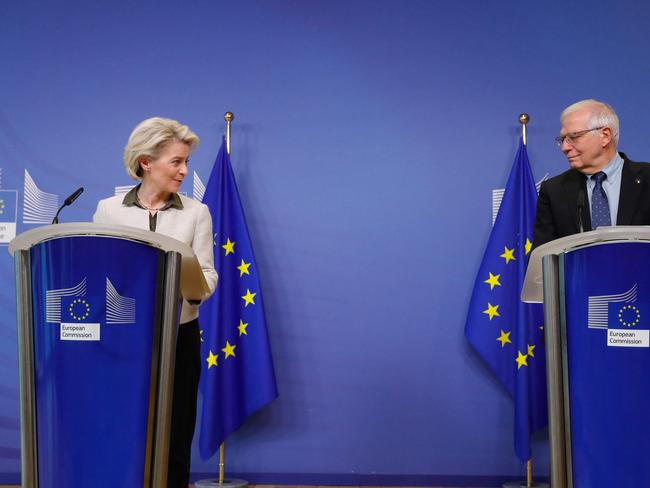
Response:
column 281, row 486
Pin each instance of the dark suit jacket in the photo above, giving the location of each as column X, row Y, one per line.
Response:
column 557, row 205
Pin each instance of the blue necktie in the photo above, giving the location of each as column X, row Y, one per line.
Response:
column 599, row 205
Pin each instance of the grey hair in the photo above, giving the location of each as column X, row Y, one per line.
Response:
column 149, row 137
column 601, row 115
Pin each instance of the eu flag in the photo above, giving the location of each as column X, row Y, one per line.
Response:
column 507, row 333
column 237, row 376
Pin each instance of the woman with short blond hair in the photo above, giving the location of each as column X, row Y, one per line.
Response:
column 157, row 154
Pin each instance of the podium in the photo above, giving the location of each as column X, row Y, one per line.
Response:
column 98, row 312
column 596, row 292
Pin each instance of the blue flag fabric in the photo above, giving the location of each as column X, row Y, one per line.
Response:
column 237, row 375
column 507, row 333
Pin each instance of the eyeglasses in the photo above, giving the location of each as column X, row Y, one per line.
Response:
column 572, row 137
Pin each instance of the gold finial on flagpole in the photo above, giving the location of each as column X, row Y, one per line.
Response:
column 523, row 120
column 228, row 117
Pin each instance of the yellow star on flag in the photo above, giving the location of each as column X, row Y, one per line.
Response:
column 492, row 311
column 249, row 298
column 229, row 350
column 508, row 254
column 243, row 268
column 242, row 328
column 493, row 280
column 531, row 350
column 521, row 360
column 504, row 338
column 528, row 246
column 229, row 246
column 212, row 360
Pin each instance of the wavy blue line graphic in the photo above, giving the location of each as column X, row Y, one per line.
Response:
column 598, row 306
column 119, row 309
column 39, row 207
column 123, row 190
column 198, row 188
column 53, row 300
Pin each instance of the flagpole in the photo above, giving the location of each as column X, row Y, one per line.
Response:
column 523, row 120
column 228, row 185
column 228, row 117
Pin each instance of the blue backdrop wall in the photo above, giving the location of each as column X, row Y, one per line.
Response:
column 368, row 138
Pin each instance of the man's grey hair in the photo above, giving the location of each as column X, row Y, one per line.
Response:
column 602, row 115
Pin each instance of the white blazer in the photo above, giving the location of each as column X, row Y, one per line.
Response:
column 192, row 225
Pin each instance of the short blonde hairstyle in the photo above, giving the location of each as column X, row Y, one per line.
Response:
column 149, row 137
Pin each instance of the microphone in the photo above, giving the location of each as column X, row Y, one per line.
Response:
column 581, row 205
column 68, row 201
column 74, row 196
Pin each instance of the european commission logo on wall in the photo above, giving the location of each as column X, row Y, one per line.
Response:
column 624, row 318
column 497, row 196
column 39, row 207
column 8, row 213
column 79, row 315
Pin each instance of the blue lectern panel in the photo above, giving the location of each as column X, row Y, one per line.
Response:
column 94, row 303
column 608, row 317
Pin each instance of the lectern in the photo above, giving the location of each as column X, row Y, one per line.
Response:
column 98, row 311
column 596, row 292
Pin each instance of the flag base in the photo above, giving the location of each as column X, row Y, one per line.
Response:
column 227, row 483
column 522, row 484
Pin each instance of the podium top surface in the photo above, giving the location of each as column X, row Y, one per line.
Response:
column 193, row 284
column 533, row 292
column 47, row 232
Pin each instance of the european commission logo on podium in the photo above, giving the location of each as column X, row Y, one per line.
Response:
column 625, row 319
column 79, row 315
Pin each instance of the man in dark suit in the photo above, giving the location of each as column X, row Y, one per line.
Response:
column 603, row 186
